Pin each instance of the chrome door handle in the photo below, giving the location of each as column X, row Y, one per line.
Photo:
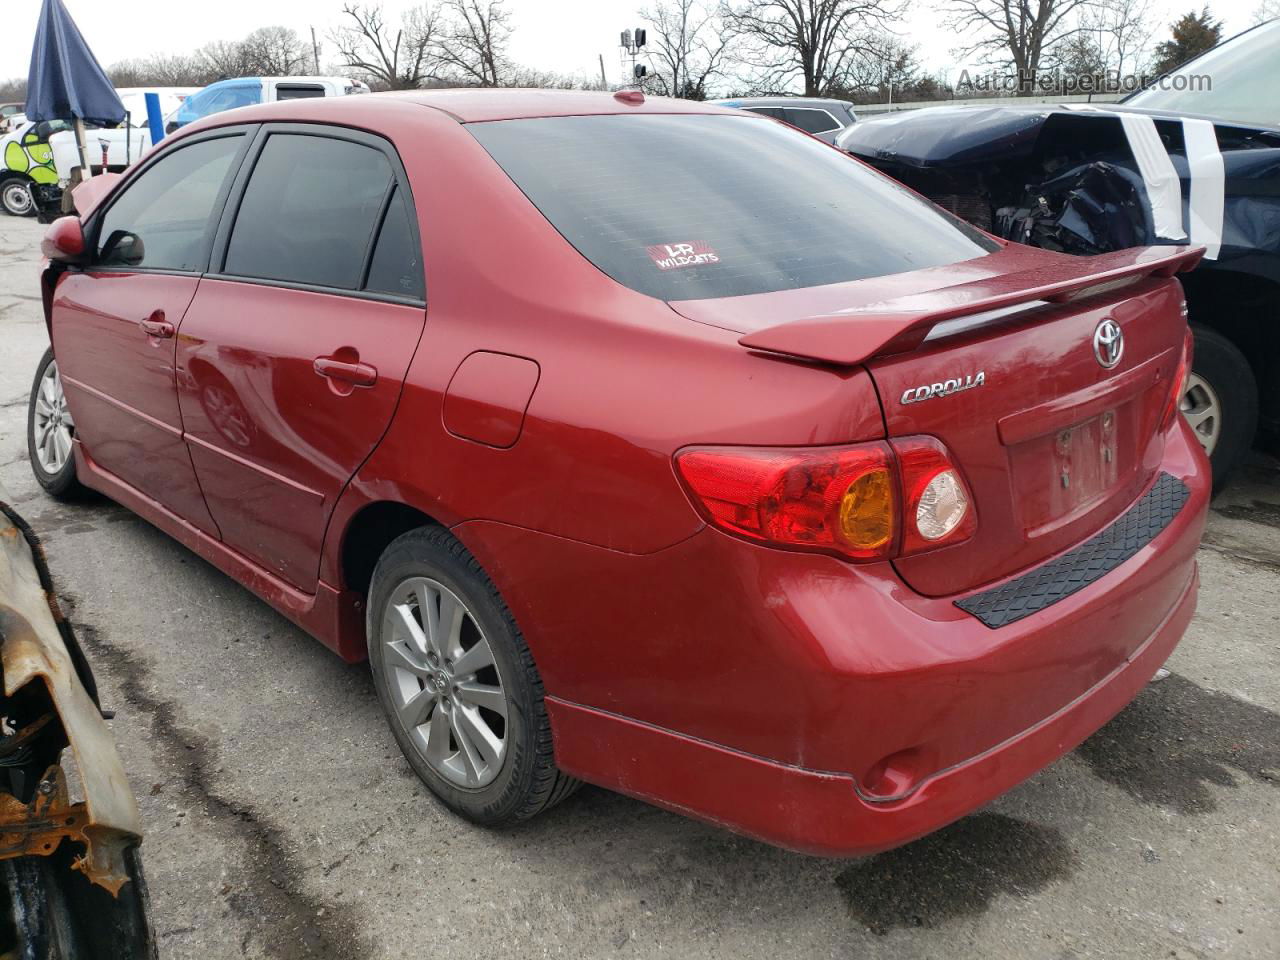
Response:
column 357, row 374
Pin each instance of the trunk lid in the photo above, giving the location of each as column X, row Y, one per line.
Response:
column 1053, row 444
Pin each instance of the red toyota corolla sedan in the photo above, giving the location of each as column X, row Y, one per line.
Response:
column 646, row 443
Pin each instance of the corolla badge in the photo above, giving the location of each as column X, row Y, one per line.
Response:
column 1108, row 343
column 927, row 391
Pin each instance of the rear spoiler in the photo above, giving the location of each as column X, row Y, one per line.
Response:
column 896, row 326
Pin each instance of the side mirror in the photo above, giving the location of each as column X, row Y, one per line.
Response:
column 64, row 240
column 123, row 249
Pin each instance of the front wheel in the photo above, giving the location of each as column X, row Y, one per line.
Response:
column 15, row 197
column 1220, row 402
column 49, row 433
column 458, row 684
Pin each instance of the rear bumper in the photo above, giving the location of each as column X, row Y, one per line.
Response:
column 824, row 813
column 823, row 706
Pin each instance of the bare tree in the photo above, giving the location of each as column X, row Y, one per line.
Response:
column 521, row 76
column 1122, row 31
column 1018, row 33
column 225, row 58
column 275, row 52
column 474, row 44
column 1267, row 10
column 887, row 72
column 391, row 56
column 181, row 70
column 1079, row 56
column 687, row 47
column 810, row 42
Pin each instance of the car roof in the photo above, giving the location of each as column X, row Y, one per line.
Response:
column 468, row 105
column 278, row 80
column 783, row 102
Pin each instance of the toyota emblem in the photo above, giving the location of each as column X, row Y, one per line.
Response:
column 1108, row 343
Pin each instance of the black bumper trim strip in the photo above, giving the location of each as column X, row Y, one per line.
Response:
column 1082, row 565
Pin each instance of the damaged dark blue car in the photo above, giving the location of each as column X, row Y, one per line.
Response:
column 1193, row 159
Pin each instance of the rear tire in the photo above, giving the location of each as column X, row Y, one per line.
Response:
column 1221, row 402
column 458, row 684
column 50, row 430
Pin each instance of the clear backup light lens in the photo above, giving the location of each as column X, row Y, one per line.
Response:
column 943, row 505
column 938, row 507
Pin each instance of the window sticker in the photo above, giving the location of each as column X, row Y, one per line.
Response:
column 673, row 256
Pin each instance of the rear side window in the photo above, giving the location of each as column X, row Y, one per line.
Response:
column 298, row 91
column 168, row 209
column 396, row 266
column 309, row 211
column 691, row 207
column 810, row 120
column 774, row 112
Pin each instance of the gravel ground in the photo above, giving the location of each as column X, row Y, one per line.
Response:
column 282, row 822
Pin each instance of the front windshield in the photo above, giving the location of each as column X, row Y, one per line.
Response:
column 1234, row 81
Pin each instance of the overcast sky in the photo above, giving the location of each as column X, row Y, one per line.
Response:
column 561, row 35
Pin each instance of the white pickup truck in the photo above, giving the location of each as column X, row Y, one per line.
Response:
column 247, row 91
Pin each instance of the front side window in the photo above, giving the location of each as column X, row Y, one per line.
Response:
column 217, row 98
column 686, row 207
column 163, row 216
column 309, row 211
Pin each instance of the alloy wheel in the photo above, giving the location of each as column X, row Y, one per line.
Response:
column 1203, row 410
column 447, row 694
column 52, row 426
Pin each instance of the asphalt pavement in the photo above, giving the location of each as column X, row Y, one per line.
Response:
column 282, row 822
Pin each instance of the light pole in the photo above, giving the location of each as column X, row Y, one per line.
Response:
column 632, row 43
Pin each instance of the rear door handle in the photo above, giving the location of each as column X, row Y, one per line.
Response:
column 157, row 326
column 358, row 374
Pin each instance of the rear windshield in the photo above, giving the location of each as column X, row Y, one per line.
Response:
column 697, row 206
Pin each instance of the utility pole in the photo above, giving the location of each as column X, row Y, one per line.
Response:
column 604, row 81
column 315, row 50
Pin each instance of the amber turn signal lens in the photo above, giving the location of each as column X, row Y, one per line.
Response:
column 867, row 511
column 837, row 499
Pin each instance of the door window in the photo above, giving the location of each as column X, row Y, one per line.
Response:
column 396, row 266
column 309, row 211
column 298, row 91
column 162, row 218
column 219, row 97
column 810, row 119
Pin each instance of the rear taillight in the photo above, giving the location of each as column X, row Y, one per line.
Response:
column 834, row 498
column 1179, row 381
column 869, row 501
